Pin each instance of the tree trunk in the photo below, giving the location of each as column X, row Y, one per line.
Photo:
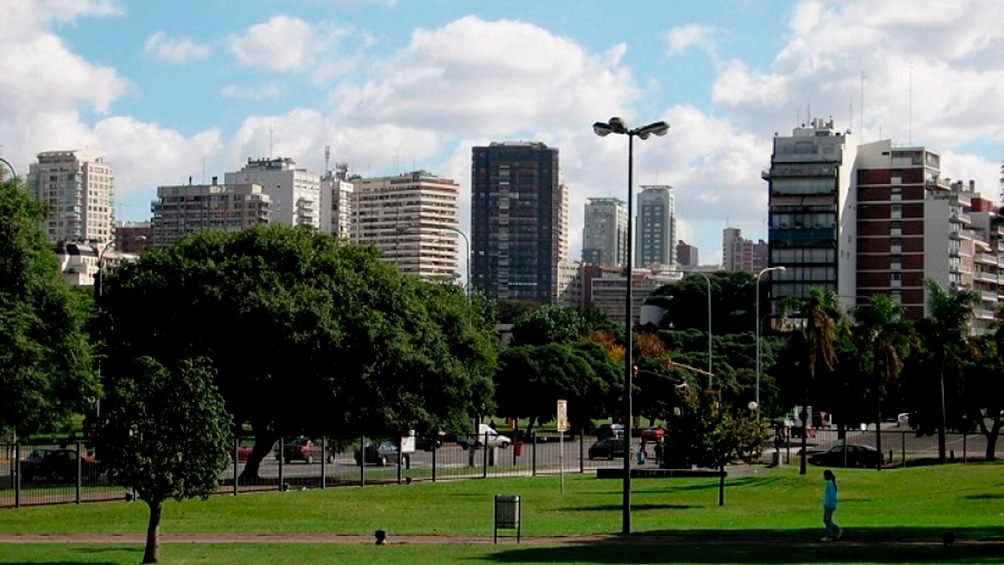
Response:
column 992, row 440
column 944, row 421
column 262, row 448
column 805, row 431
column 721, row 486
column 152, row 553
column 878, row 429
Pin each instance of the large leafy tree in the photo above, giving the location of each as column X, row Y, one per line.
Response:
column 45, row 355
column 164, row 434
column 983, row 390
column 944, row 334
column 550, row 324
column 308, row 335
column 732, row 294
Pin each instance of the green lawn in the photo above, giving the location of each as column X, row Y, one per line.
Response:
column 892, row 516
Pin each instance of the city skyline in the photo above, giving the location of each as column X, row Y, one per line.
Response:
column 399, row 86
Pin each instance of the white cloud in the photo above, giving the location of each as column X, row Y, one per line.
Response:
column 25, row 18
column 265, row 91
column 679, row 39
column 477, row 76
column 178, row 51
column 286, row 44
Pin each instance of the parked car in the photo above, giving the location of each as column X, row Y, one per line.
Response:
column 610, row 430
column 244, row 452
column 300, row 449
column 380, row 454
column 856, row 456
column 608, row 447
column 494, row 439
column 652, row 434
column 903, row 419
column 57, row 465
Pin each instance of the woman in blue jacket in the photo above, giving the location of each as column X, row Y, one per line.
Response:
column 833, row 531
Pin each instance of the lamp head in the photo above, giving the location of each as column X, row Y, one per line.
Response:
column 602, row 129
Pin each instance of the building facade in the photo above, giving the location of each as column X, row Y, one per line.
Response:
column 739, row 254
column 336, row 202
column 687, row 256
column 655, row 227
column 519, row 221
column 79, row 188
column 811, row 214
column 294, row 194
column 604, row 232
column 413, row 219
column 190, row 209
column 133, row 237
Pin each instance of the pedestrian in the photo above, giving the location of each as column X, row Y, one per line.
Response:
column 642, row 453
column 833, row 531
column 659, row 451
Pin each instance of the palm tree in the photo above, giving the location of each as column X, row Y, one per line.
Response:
column 884, row 339
column 821, row 322
column 944, row 332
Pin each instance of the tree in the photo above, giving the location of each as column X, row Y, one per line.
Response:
column 165, row 434
column 308, row 335
column 732, row 309
column 944, row 333
column 820, row 316
column 532, row 378
column 983, row 390
column 549, row 324
column 46, row 369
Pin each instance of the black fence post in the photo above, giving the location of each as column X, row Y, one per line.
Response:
column 533, row 454
column 362, row 461
column 965, row 454
column 17, row 474
column 484, row 457
column 435, row 448
column 324, row 462
column 902, row 443
column 282, row 461
column 237, row 443
column 80, row 478
column 582, row 451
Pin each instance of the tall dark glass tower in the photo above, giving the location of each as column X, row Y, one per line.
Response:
column 519, row 221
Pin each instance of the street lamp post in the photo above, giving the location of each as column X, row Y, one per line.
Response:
column 13, row 173
column 603, row 129
column 758, row 275
column 708, row 280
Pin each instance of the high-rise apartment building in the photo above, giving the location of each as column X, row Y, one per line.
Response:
column 336, row 202
column 519, row 221
column 412, row 219
column 655, row 227
column 294, row 194
column 686, row 255
column 740, row 254
column 79, row 189
column 191, row 209
column 604, row 233
column 812, row 221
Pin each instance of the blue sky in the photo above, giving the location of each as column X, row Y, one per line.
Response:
column 169, row 90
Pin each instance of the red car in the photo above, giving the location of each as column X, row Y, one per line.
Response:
column 58, row 465
column 300, row 449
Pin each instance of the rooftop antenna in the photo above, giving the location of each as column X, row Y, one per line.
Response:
column 909, row 130
column 203, row 170
column 270, row 154
column 1001, row 181
column 861, row 108
column 327, row 158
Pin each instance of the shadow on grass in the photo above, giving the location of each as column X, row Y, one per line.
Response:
column 885, row 545
column 619, row 507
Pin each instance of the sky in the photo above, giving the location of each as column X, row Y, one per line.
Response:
column 193, row 88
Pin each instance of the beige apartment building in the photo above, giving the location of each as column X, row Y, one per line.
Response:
column 413, row 219
column 195, row 208
column 79, row 188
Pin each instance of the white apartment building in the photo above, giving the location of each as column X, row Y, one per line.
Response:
column 413, row 219
column 294, row 194
column 336, row 203
column 191, row 209
column 79, row 188
column 604, row 232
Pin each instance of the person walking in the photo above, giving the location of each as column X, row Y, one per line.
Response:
column 833, row 531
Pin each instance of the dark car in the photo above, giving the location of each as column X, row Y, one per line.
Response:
column 608, row 447
column 379, row 454
column 58, row 465
column 610, row 430
column 300, row 449
column 855, row 456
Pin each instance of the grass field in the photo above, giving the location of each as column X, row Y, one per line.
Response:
column 892, row 516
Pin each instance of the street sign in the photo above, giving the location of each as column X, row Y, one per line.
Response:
column 562, row 415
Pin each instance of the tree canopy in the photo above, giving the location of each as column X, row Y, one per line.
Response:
column 45, row 355
column 308, row 335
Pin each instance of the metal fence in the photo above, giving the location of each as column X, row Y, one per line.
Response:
column 36, row 473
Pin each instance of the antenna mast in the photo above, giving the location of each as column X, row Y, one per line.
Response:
column 327, row 157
